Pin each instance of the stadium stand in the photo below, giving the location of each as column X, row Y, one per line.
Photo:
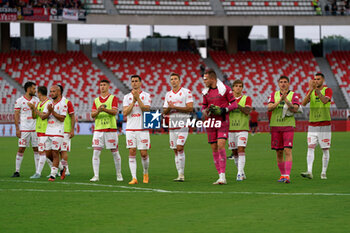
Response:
column 164, row 7
column 8, row 96
column 73, row 70
column 155, row 68
column 261, row 70
column 95, row 7
column 271, row 7
column 340, row 65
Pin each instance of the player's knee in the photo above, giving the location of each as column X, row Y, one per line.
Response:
column 325, row 149
column 98, row 148
column 114, row 150
column 143, row 153
column 132, row 152
column 180, row 149
column 311, row 146
column 35, row 149
column 241, row 149
column 21, row 149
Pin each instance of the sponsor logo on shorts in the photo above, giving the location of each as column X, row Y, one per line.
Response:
column 96, row 142
column 55, row 142
column 64, row 144
column 111, row 141
column 181, row 137
column 144, row 141
column 243, row 138
column 326, row 140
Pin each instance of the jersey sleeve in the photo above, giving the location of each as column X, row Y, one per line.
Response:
column 166, row 105
column 93, row 106
column 229, row 95
column 115, row 103
column 148, row 100
column 63, row 109
column 295, row 99
column 45, row 110
column 271, row 98
column 70, row 107
column 189, row 97
column 18, row 104
column 329, row 93
column 205, row 102
column 248, row 102
column 125, row 101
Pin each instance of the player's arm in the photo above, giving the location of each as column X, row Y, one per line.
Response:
column 324, row 99
column 188, row 108
column 71, row 134
column 95, row 111
column 127, row 109
column 112, row 111
column 144, row 108
column 17, row 116
column 271, row 106
column 166, row 111
column 306, row 99
column 55, row 114
column 292, row 107
column 246, row 110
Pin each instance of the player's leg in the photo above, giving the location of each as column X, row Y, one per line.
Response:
column 288, row 145
column 311, row 145
column 97, row 145
column 180, row 145
column 232, row 145
column 143, row 144
column 55, row 146
column 212, row 140
column 112, row 144
column 325, row 144
column 277, row 145
column 172, row 141
column 42, row 157
column 22, row 144
column 242, row 140
column 34, row 141
column 222, row 159
column 131, row 145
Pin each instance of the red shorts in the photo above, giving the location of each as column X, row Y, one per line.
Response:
column 282, row 137
column 218, row 133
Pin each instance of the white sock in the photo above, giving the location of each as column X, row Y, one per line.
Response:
column 236, row 160
column 96, row 162
column 241, row 162
column 182, row 158
column 19, row 159
column 145, row 164
column 132, row 166
column 36, row 159
column 42, row 159
column 63, row 163
column 54, row 171
column 49, row 162
column 325, row 160
column 60, row 165
column 310, row 159
column 177, row 163
column 67, row 170
column 117, row 162
column 222, row 176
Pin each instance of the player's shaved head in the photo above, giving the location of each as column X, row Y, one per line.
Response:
column 210, row 74
column 55, row 92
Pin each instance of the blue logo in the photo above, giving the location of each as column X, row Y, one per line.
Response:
column 151, row 120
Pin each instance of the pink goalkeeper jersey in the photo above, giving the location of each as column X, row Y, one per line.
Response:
column 223, row 101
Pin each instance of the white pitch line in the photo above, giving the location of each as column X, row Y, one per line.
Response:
column 148, row 190
column 73, row 191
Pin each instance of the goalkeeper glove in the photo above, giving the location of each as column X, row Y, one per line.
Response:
column 216, row 110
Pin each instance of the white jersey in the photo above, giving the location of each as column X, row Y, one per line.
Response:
column 135, row 117
column 180, row 98
column 27, row 123
column 54, row 126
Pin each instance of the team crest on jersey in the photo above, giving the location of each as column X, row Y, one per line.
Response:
column 180, row 94
column 142, row 97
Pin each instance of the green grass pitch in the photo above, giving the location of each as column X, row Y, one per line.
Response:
column 258, row 204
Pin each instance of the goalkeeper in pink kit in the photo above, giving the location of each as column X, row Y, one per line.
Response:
column 218, row 101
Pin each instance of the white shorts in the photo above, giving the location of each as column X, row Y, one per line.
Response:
column 26, row 138
column 53, row 143
column 178, row 137
column 319, row 135
column 236, row 139
column 138, row 139
column 42, row 145
column 66, row 142
column 108, row 139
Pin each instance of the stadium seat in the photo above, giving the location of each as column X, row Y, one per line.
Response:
column 73, row 70
column 340, row 65
column 8, row 96
column 261, row 70
column 164, row 7
column 264, row 7
column 154, row 69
